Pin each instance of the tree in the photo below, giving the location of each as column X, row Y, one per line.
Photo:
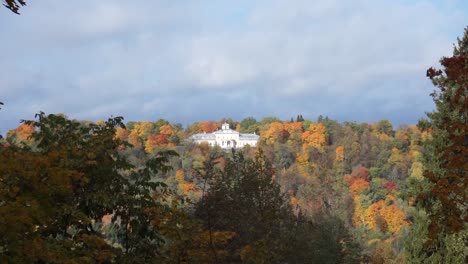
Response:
column 53, row 197
column 247, row 125
column 276, row 133
column 384, row 126
column 14, row 5
column 315, row 136
column 244, row 199
column 299, row 118
column 446, row 164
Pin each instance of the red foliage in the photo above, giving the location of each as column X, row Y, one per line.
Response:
column 390, row 185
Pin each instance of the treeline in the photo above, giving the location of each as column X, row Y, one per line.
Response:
column 312, row 191
column 74, row 192
column 322, row 191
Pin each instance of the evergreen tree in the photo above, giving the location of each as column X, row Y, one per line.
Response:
column 443, row 191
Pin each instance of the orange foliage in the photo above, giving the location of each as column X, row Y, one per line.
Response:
column 180, row 175
column 402, row 135
column 390, row 197
column 275, row 132
column 121, row 133
column 135, row 140
column 187, row 187
column 154, row 141
column 24, row 132
column 292, row 199
column 106, row 220
column 358, row 186
column 207, row 127
column 295, row 127
column 339, row 153
column 314, row 136
column 166, row 130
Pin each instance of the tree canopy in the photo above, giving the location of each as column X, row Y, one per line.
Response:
column 14, row 5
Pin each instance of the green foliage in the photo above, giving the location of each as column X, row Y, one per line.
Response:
column 439, row 231
column 445, row 160
column 243, row 199
column 248, row 125
column 385, row 127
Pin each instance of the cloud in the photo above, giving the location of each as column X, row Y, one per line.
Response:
column 196, row 60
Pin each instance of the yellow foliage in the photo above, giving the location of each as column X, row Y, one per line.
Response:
column 396, row 157
column 395, row 218
column 274, row 132
column 180, row 176
column 384, row 137
column 415, row 155
column 314, row 136
column 358, row 216
column 302, row 158
column 373, row 241
column 417, row 170
column 143, row 129
column 372, row 212
column 100, row 122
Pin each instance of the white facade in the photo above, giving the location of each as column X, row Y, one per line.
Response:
column 226, row 138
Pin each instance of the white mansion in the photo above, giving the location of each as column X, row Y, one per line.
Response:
column 226, row 138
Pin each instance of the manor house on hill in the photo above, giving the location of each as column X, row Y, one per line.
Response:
column 226, row 138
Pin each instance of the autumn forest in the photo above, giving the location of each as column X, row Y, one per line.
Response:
column 313, row 190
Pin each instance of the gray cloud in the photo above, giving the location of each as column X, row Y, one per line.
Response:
column 190, row 60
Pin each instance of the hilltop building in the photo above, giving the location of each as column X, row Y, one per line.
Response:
column 226, row 138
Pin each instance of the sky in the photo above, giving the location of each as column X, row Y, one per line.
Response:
column 187, row 61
